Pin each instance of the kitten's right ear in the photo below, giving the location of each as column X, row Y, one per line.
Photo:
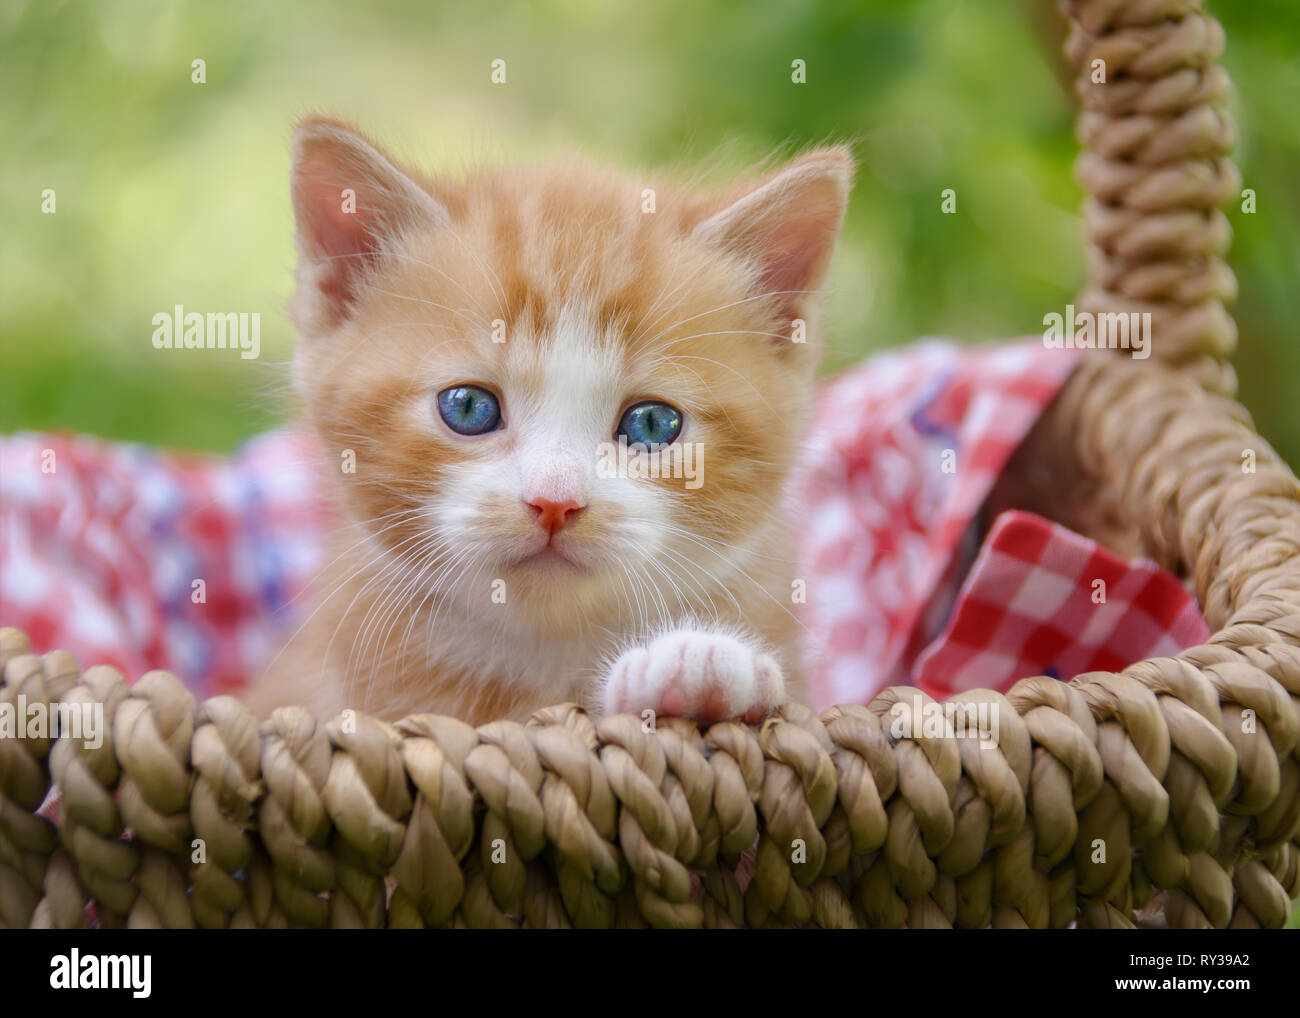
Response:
column 786, row 228
column 348, row 200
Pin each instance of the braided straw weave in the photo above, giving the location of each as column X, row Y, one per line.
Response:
column 1168, row 793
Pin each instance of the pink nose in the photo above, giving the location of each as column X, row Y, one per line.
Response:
column 552, row 516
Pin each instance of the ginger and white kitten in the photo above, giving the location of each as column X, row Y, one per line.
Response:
column 471, row 352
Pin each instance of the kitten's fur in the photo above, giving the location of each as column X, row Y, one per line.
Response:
column 680, row 600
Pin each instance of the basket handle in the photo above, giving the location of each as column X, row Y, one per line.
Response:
column 1155, row 137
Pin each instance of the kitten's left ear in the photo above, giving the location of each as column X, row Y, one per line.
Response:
column 349, row 200
column 786, row 228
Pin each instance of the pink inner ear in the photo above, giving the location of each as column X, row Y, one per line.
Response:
column 793, row 255
column 328, row 232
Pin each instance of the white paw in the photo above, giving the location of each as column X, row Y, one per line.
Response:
column 705, row 676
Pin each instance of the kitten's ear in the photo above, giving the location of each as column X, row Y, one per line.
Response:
column 786, row 227
column 348, row 199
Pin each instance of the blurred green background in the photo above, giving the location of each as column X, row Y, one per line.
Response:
column 170, row 192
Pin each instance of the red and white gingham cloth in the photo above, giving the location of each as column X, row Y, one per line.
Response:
column 102, row 543
column 905, row 449
column 1041, row 600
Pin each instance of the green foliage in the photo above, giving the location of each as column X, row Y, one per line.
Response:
column 171, row 192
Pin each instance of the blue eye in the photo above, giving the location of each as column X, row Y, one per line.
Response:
column 469, row 410
column 650, row 424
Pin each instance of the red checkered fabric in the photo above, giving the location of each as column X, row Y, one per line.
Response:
column 905, row 448
column 125, row 555
column 1041, row 600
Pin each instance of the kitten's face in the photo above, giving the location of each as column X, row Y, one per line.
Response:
column 484, row 349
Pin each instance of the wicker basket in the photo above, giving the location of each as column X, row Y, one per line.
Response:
column 1167, row 793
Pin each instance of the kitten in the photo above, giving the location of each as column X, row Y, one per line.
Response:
column 505, row 373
